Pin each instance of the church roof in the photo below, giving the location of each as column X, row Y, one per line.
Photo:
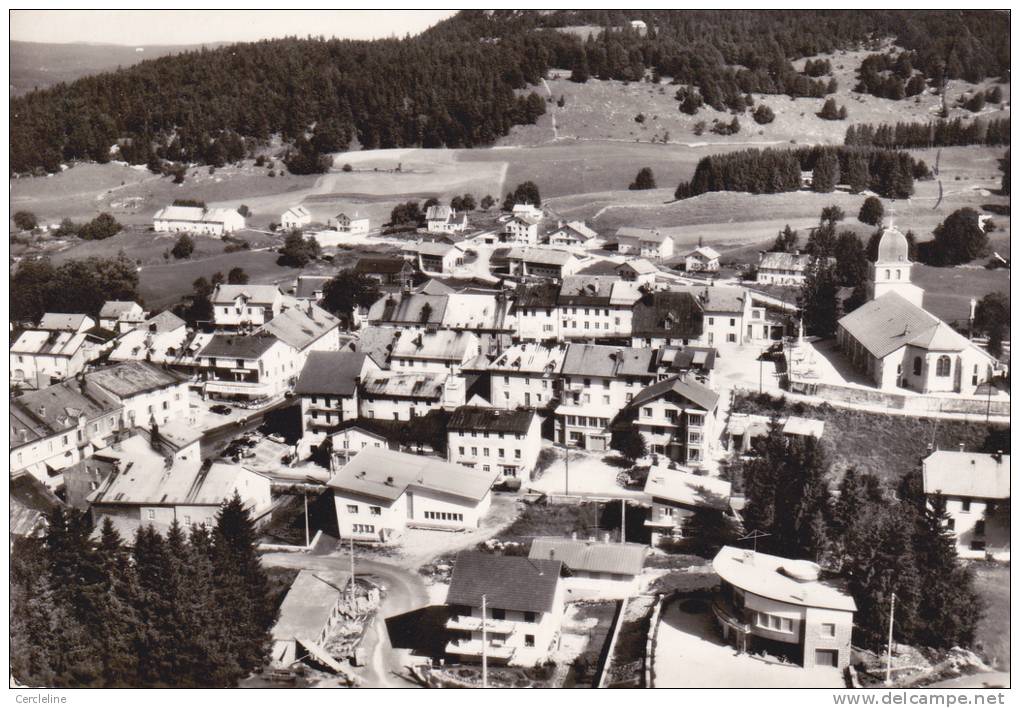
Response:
column 893, row 247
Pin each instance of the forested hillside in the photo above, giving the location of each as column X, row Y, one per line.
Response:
column 456, row 84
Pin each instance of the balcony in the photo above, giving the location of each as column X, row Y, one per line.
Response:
column 728, row 615
column 473, row 647
column 239, row 388
column 465, row 623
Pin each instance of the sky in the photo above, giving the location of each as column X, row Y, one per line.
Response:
column 148, row 27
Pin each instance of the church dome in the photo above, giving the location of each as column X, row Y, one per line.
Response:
column 893, row 247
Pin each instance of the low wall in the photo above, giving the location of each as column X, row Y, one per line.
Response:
column 607, row 651
column 653, row 635
column 918, row 404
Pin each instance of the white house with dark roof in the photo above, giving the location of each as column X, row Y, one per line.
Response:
column 121, row 315
column 295, row 217
column 975, row 489
column 533, row 263
column 573, row 234
column 677, row 418
column 396, row 395
column 148, row 393
column 766, row 601
column 253, row 366
column 526, row 375
column 245, row 305
column 494, row 439
column 197, row 220
column 519, row 600
column 442, row 351
column 43, row 357
column 328, row 388
column 703, row 259
column 380, row 493
column 647, row 243
column 595, row 569
column 594, row 307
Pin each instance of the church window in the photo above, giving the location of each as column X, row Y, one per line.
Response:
column 943, row 366
column 917, row 366
column 897, row 274
column 887, row 274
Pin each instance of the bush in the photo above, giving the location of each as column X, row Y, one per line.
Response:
column 184, row 247
column 871, row 211
column 763, row 115
column 347, row 167
column 25, row 220
column 102, row 227
column 644, row 180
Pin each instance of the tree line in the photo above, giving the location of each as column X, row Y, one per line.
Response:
column 191, row 608
column 75, row 286
column 940, row 133
column 878, row 539
column 771, row 170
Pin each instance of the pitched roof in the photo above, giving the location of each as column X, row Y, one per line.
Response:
column 587, row 289
column 706, row 252
column 543, row 294
column 48, row 342
column 688, row 488
column 475, row 311
column 692, row 390
column 531, row 358
column 309, row 603
column 891, row 321
column 579, row 230
column 791, row 581
column 377, row 342
column 807, row 427
column 685, row 358
column 226, row 294
column 187, row 483
column 435, row 248
column 68, row 322
column 629, row 233
column 716, row 298
column 165, row 321
column 775, row 260
column 330, row 373
column 380, row 265
column 408, row 308
column 236, row 346
column 666, row 313
column 438, row 212
column 116, row 308
column 385, row 474
column 591, row 556
column 975, row 475
column 641, row 266
column 444, row 344
column 57, row 408
column 607, row 361
column 308, row 285
column 494, row 420
column 392, row 384
column 508, row 582
column 132, row 378
column 301, row 326
column 299, row 211
column 543, row 256
column 196, row 214
column 30, row 501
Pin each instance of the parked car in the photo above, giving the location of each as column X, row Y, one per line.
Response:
column 220, row 409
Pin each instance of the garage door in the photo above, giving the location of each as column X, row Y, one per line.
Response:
column 826, row 657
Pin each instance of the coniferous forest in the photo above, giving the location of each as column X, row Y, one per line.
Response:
column 462, row 83
column 940, row 133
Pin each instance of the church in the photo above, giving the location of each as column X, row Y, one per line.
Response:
column 900, row 345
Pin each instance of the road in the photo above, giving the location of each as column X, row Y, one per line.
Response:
column 403, row 591
column 215, row 439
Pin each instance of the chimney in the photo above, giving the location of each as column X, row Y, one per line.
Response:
column 573, row 535
column 42, row 411
column 962, row 447
column 552, row 554
column 997, row 457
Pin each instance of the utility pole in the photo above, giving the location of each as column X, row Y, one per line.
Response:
column 485, row 648
column 352, row 573
column 888, row 651
column 308, row 540
column 566, row 460
column 623, row 520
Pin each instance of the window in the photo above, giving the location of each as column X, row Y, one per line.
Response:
column 731, row 337
column 474, row 452
column 917, row 366
column 529, row 640
column 461, row 449
column 517, row 454
column 979, row 528
column 363, row 528
column 187, row 520
column 711, row 320
column 733, row 322
column 965, row 505
column 352, row 508
column 498, row 614
column 828, row 629
column 375, row 511
column 646, row 412
column 151, row 514
column 943, row 366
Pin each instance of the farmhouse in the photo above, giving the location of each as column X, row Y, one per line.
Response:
column 236, row 306
column 347, row 225
column 386, row 271
column 573, row 234
column 536, row 263
column 120, row 316
column 676, row 417
column 197, row 220
column 638, row 270
column 783, row 268
column 328, row 388
column 443, row 220
column 519, row 600
column 774, row 602
column 604, row 570
column 703, row 259
column 380, row 493
column 677, row 495
column 975, row 489
column 495, row 439
column 647, row 243
column 295, row 217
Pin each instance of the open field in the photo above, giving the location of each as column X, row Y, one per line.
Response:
column 992, row 583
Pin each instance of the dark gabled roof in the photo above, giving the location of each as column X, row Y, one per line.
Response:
column 131, row 378
column 385, row 266
column 233, row 346
column 539, row 295
column 693, row 391
column 330, row 373
column 591, row 556
column 684, row 358
column 493, row 420
column 508, row 582
column 668, row 314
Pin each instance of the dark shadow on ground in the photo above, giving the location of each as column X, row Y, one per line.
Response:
column 423, row 631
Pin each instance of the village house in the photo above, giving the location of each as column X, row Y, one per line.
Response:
column 441, row 219
column 154, row 340
column 305, row 329
column 676, row 417
column 295, row 218
column 732, row 316
column 52, row 428
column 43, row 357
column 975, row 489
column 573, row 234
column 534, row 312
column 146, row 489
column 433, row 351
column 647, row 243
column 495, row 439
column 677, row 495
column 667, row 318
column 346, row 225
column 526, row 375
column 638, row 270
column 393, row 395
column 380, row 493
column 519, row 600
column 481, row 313
column 66, row 322
column 246, row 367
column 386, row 271
column 595, row 569
column 743, row 428
column 411, row 311
column 529, row 210
column 703, row 259
column 690, row 362
column 120, row 316
column 31, row 502
column 352, row 437
column 782, row 606
column 148, row 393
column 522, row 229
column 541, row 263
column 328, row 388
column 197, row 220
column 238, row 306
column 310, row 288
column 308, row 614
column 435, row 257
column 777, row 268
column 597, row 382
column 594, row 307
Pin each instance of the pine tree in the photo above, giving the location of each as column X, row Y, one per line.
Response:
column 826, row 173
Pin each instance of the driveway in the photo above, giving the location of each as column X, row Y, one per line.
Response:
column 588, row 474
column 691, row 654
